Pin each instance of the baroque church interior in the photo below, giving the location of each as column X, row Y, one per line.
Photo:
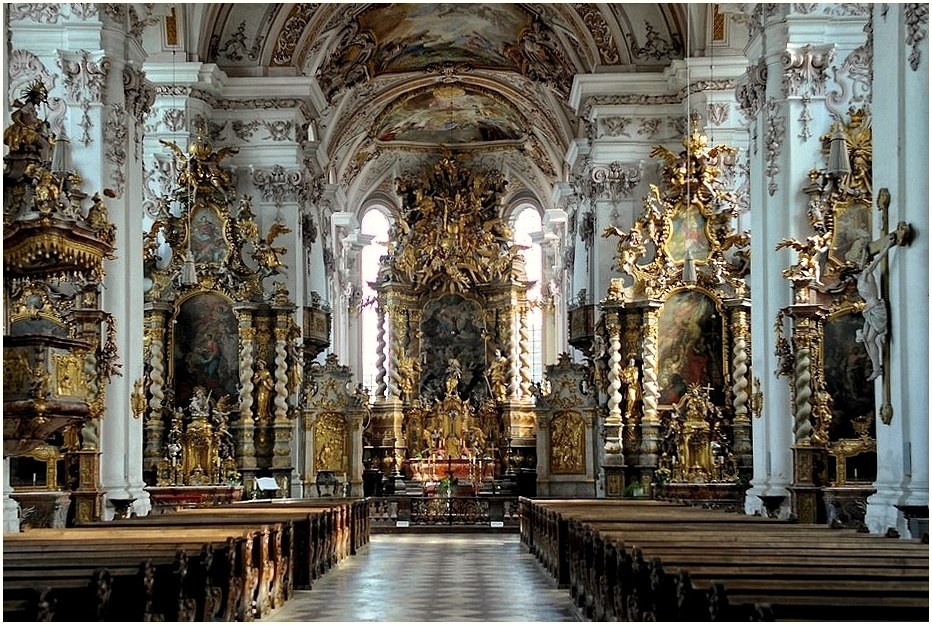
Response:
column 400, row 265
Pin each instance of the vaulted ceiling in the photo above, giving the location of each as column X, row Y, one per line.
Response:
column 394, row 82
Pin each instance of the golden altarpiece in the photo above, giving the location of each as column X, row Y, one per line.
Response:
column 223, row 356
column 831, row 341
column 672, row 349
column 58, row 346
column 454, row 390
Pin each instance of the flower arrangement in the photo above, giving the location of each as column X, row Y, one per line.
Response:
column 448, row 484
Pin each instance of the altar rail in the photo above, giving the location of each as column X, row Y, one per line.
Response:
column 396, row 511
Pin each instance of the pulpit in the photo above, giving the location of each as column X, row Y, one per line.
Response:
column 59, row 349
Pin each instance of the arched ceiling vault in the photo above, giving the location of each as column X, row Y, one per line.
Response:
column 402, row 81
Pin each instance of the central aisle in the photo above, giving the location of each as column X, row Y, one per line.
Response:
column 433, row 577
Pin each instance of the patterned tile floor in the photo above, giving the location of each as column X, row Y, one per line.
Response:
column 434, row 577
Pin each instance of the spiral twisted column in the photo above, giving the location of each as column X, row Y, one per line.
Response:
column 381, row 386
column 613, row 420
column 802, row 397
column 524, row 353
column 650, row 385
column 740, row 332
column 155, row 333
column 281, row 451
column 244, row 429
column 396, row 353
column 506, row 339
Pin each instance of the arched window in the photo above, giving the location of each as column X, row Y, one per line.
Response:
column 526, row 224
column 374, row 223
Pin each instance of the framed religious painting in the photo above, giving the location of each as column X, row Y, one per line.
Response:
column 690, row 346
column 205, row 347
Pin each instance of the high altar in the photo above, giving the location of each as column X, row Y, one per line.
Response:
column 454, row 394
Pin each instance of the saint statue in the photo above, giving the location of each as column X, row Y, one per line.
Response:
column 498, row 376
column 629, row 377
column 454, row 373
column 264, row 385
column 200, row 403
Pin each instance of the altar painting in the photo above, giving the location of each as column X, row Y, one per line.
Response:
column 688, row 235
column 847, row 366
column 690, row 346
column 852, row 222
column 205, row 343
column 452, row 327
column 206, row 240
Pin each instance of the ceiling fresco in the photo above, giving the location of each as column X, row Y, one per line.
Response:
column 411, row 37
column 389, row 79
column 448, row 114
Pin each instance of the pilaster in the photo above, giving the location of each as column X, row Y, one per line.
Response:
column 901, row 164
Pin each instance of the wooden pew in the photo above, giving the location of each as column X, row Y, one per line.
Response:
column 137, row 573
column 342, row 528
column 808, row 560
column 633, row 561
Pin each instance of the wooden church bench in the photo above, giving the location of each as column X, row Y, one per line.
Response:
column 845, row 563
column 234, row 554
column 102, row 585
column 597, row 539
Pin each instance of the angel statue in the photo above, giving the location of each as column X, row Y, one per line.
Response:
column 813, row 253
column 201, row 168
column 266, row 255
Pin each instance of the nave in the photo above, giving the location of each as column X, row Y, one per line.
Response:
column 433, row 577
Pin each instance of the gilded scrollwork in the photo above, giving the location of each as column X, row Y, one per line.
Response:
column 687, row 220
column 451, row 235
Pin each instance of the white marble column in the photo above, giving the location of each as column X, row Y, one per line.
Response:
column 84, row 54
column 901, row 164
column 795, row 83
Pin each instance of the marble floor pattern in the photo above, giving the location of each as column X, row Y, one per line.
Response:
column 434, row 577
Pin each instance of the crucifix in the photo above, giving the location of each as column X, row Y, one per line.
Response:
column 876, row 322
